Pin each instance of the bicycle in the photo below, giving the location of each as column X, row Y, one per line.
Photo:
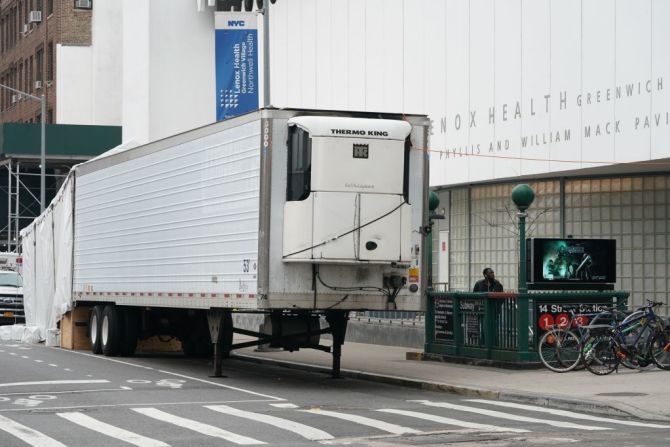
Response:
column 560, row 348
column 641, row 338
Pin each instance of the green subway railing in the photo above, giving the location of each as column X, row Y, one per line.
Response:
column 503, row 326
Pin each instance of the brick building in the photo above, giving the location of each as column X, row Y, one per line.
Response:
column 31, row 33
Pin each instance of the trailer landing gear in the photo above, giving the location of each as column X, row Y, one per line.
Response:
column 337, row 320
column 289, row 330
column 221, row 330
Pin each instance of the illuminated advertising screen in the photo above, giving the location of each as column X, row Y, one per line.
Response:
column 588, row 261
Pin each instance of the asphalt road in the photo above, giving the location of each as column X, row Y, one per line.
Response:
column 53, row 397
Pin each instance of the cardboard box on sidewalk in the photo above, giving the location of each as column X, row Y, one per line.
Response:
column 74, row 329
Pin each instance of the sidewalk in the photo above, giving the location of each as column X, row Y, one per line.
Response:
column 643, row 394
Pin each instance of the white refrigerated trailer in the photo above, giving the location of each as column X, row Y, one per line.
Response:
column 296, row 214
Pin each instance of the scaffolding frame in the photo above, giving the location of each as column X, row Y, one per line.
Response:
column 20, row 197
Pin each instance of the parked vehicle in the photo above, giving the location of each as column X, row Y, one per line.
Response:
column 11, row 297
column 294, row 214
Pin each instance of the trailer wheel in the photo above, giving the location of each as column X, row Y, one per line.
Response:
column 94, row 320
column 110, row 330
column 130, row 332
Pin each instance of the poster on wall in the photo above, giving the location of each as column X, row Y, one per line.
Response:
column 236, row 60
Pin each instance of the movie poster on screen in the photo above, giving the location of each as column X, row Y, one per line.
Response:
column 573, row 260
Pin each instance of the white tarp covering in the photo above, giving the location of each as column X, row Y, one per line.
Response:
column 47, row 258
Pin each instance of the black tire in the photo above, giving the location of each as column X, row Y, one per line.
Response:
column 659, row 350
column 111, row 330
column 559, row 350
column 130, row 332
column 94, row 320
column 599, row 354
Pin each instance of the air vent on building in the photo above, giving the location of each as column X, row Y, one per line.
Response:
column 15, row 98
column 35, row 17
column 83, row 4
column 38, row 84
column 25, row 28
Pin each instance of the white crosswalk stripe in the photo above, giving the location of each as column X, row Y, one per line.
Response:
column 450, row 421
column 567, row 414
column 111, row 431
column 27, row 434
column 311, row 433
column 508, row 416
column 381, row 425
column 196, row 426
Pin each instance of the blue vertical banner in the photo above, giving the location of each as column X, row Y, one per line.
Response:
column 236, row 63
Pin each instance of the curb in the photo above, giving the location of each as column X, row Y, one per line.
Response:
column 565, row 403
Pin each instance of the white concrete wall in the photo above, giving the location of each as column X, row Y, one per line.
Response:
column 560, row 60
column 107, row 46
column 135, row 61
column 74, row 86
column 181, row 68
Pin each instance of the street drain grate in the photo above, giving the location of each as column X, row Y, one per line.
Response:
column 622, row 394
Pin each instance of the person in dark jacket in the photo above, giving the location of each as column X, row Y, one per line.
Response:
column 489, row 283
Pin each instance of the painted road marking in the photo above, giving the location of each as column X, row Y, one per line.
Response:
column 450, row 421
column 567, row 414
column 375, row 423
column 27, row 434
column 111, row 431
column 26, row 402
column 25, row 357
column 39, row 361
column 209, row 382
column 196, row 426
column 135, row 404
column 242, row 390
column 42, row 397
column 311, row 433
column 513, row 417
column 53, row 364
column 52, row 382
column 290, row 406
column 98, row 390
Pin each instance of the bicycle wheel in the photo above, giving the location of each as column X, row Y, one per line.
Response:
column 600, row 355
column 659, row 350
column 559, row 350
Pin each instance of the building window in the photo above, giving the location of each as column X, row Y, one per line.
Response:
column 50, row 61
column 38, row 5
column 83, row 4
column 50, row 116
column 50, row 7
column 30, row 77
column 39, row 61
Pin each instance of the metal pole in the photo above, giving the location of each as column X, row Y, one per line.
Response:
column 523, row 286
column 266, row 54
column 9, row 205
column 43, row 153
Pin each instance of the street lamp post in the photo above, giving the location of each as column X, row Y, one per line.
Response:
column 43, row 106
